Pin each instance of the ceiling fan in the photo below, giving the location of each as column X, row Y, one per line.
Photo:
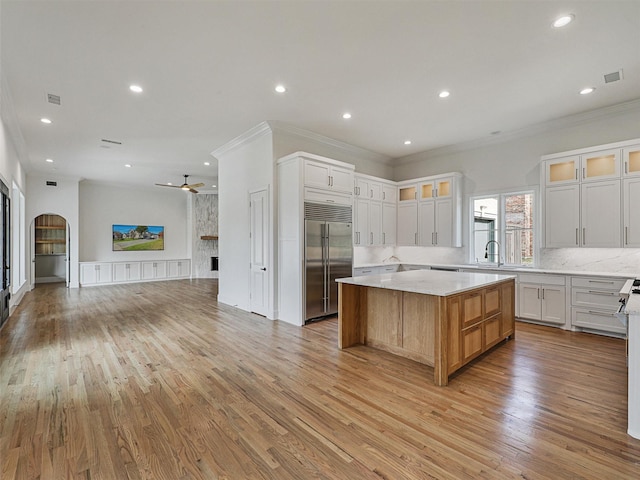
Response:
column 185, row 186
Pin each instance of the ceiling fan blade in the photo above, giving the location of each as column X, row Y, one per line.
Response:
column 196, row 185
column 165, row 185
column 193, row 191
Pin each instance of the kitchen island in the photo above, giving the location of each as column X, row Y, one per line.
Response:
column 441, row 319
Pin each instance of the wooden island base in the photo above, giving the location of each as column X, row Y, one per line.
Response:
column 445, row 332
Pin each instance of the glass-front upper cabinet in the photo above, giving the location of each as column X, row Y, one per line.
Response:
column 408, row 193
column 631, row 156
column 563, row 170
column 436, row 188
column 601, row 165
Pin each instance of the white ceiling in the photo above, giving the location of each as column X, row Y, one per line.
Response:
column 209, row 69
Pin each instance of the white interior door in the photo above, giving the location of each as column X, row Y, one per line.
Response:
column 260, row 275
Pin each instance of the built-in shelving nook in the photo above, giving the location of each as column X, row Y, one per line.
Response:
column 50, row 248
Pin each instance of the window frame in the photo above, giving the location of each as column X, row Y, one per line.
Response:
column 500, row 230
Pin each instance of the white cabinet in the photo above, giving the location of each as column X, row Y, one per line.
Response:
column 630, row 206
column 631, row 159
column 407, row 232
column 542, row 298
column 438, row 212
column 374, row 217
column 327, row 176
column 126, row 272
column 361, row 229
column 178, row 268
column 389, row 216
column 95, row 273
column 586, row 215
column 389, row 193
column 588, row 167
column 374, row 270
column 436, row 221
column 562, row 216
column 562, row 170
column 600, row 214
column 154, row 270
column 367, row 187
column 588, row 194
column 594, row 303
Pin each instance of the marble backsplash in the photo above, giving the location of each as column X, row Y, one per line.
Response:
column 605, row 260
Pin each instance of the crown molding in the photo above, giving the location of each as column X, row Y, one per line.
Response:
column 261, row 129
column 529, row 131
column 284, row 128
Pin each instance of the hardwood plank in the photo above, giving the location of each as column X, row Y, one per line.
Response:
column 158, row 380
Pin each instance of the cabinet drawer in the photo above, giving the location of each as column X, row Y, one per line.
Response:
column 597, row 320
column 471, row 343
column 322, row 196
column 546, row 279
column 598, row 282
column 587, row 297
column 472, row 309
column 491, row 331
column 388, row 269
column 492, row 303
column 362, row 271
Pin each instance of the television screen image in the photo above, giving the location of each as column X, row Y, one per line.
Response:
column 137, row 237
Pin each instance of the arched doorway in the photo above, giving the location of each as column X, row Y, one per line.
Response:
column 51, row 249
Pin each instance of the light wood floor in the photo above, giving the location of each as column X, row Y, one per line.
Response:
column 158, row 381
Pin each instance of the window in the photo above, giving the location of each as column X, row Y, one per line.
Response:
column 503, row 229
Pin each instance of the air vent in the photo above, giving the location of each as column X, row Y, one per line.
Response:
column 115, row 142
column 55, row 99
column 613, row 77
column 51, row 184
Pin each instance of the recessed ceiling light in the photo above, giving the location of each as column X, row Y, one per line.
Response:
column 346, row 116
column 213, row 186
column 48, row 160
column 207, row 164
column 127, row 165
column 407, row 142
column 135, row 88
column 280, row 88
column 444, row 94
column 563, row 21
column 587, row 90
column 45, row 120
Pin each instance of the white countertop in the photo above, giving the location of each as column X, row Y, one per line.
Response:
column 633, row 304
column 428, row 282
column 505, row 270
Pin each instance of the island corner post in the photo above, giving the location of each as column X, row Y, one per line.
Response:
column 442, row 331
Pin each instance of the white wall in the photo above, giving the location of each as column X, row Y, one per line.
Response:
column 288, row 139
column 11, row 171
column 245, row 167
column 59, row 200
column 102, row 206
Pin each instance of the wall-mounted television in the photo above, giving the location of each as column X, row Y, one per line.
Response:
column 131, row 238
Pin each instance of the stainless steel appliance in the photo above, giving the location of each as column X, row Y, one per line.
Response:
column 328, row 252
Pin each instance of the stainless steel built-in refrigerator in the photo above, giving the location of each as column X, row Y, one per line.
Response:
column 328, row 255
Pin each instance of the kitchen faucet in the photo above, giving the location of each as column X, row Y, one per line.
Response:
column 486, row 250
